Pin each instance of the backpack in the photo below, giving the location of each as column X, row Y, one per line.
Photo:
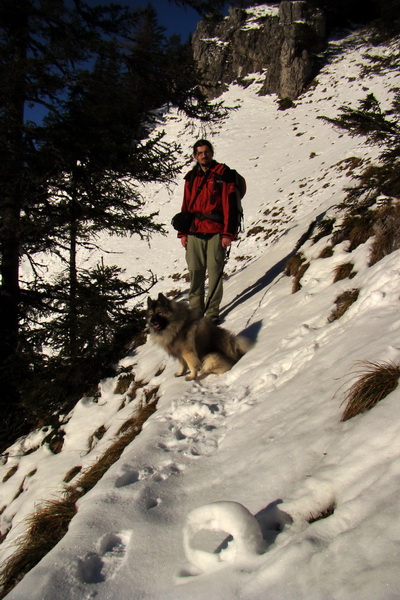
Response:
column 240, row 188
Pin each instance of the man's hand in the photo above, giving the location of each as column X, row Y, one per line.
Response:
column 184, row 240
column 225, row 242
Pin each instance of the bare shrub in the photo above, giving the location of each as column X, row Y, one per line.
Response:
column 343, row 303
column 343, row 271
column 376, row 382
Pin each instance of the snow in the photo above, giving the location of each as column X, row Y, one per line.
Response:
column 217, row 496
column 256, row 14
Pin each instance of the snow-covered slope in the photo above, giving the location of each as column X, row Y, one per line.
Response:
column 267, row 435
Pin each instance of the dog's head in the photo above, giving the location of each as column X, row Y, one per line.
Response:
column 158, row 313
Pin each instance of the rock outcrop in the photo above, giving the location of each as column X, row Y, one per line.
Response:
column 281, row 41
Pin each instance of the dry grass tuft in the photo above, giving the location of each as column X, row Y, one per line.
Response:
column 96, row 437
column 47, row 525
column 343, row 271
column 356, row 227
column 93, row 474
column 293, row 264
column 72, row 473
column 44, row 529
column 296, row 280
column 10, row 473
column 387, row 233
column 124, row 382
column 343, row 303
column 327, row 252
column 376, row 382
column 296, row 267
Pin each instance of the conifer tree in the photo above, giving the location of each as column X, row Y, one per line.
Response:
column 97, row 73
column 41, row 44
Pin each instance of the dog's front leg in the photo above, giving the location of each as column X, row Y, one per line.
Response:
column 193, row 363
column 183, row 368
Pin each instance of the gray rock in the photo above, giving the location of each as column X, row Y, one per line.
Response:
column 283, row 46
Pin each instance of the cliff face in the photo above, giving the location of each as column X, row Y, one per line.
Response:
column 282, row 41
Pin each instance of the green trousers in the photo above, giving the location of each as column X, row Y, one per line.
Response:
column 205, row 256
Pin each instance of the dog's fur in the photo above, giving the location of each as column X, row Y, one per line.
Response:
column 200, row 346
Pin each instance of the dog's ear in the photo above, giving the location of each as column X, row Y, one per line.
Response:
column 149, row 302
column 161, row 298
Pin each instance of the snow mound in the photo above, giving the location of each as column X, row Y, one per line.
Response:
column 230, row 517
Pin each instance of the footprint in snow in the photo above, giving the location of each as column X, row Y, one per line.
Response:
column 131, row 476
column 99, row 566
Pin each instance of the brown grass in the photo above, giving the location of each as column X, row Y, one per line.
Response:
column 343, row 271
column 356, row 228
column 327, row 252
column 296, row 286
column 296, row 267
column 72, row 473
column 10, row 473
column 387, row 233
column 49, row 523
column 293, row 264
column 124, row 382
column 45, row 528
column 377, row 380
column 96, row 437
column 343, row 303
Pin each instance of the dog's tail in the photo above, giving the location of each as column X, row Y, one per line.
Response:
column 234, row 347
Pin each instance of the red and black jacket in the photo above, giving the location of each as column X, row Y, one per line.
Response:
column 215, row 206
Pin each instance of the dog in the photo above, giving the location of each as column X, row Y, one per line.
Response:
column 200, row 346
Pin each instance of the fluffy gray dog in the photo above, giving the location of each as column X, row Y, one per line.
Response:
column 200, row 346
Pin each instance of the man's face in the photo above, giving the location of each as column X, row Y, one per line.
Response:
column 204, row 156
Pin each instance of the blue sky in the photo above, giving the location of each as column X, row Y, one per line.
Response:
column 175, row 19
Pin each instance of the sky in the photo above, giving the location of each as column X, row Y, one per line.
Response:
column 259, row 453
column 176, row 19
column 181, row 20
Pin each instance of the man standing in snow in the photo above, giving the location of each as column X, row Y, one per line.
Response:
column 210, row 196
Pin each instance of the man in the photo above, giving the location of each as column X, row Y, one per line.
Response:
column 210, row 195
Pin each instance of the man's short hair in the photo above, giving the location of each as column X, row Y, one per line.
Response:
column 202, row 143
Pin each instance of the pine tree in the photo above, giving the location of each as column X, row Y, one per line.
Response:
column 97, row 73
column 46, row 47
